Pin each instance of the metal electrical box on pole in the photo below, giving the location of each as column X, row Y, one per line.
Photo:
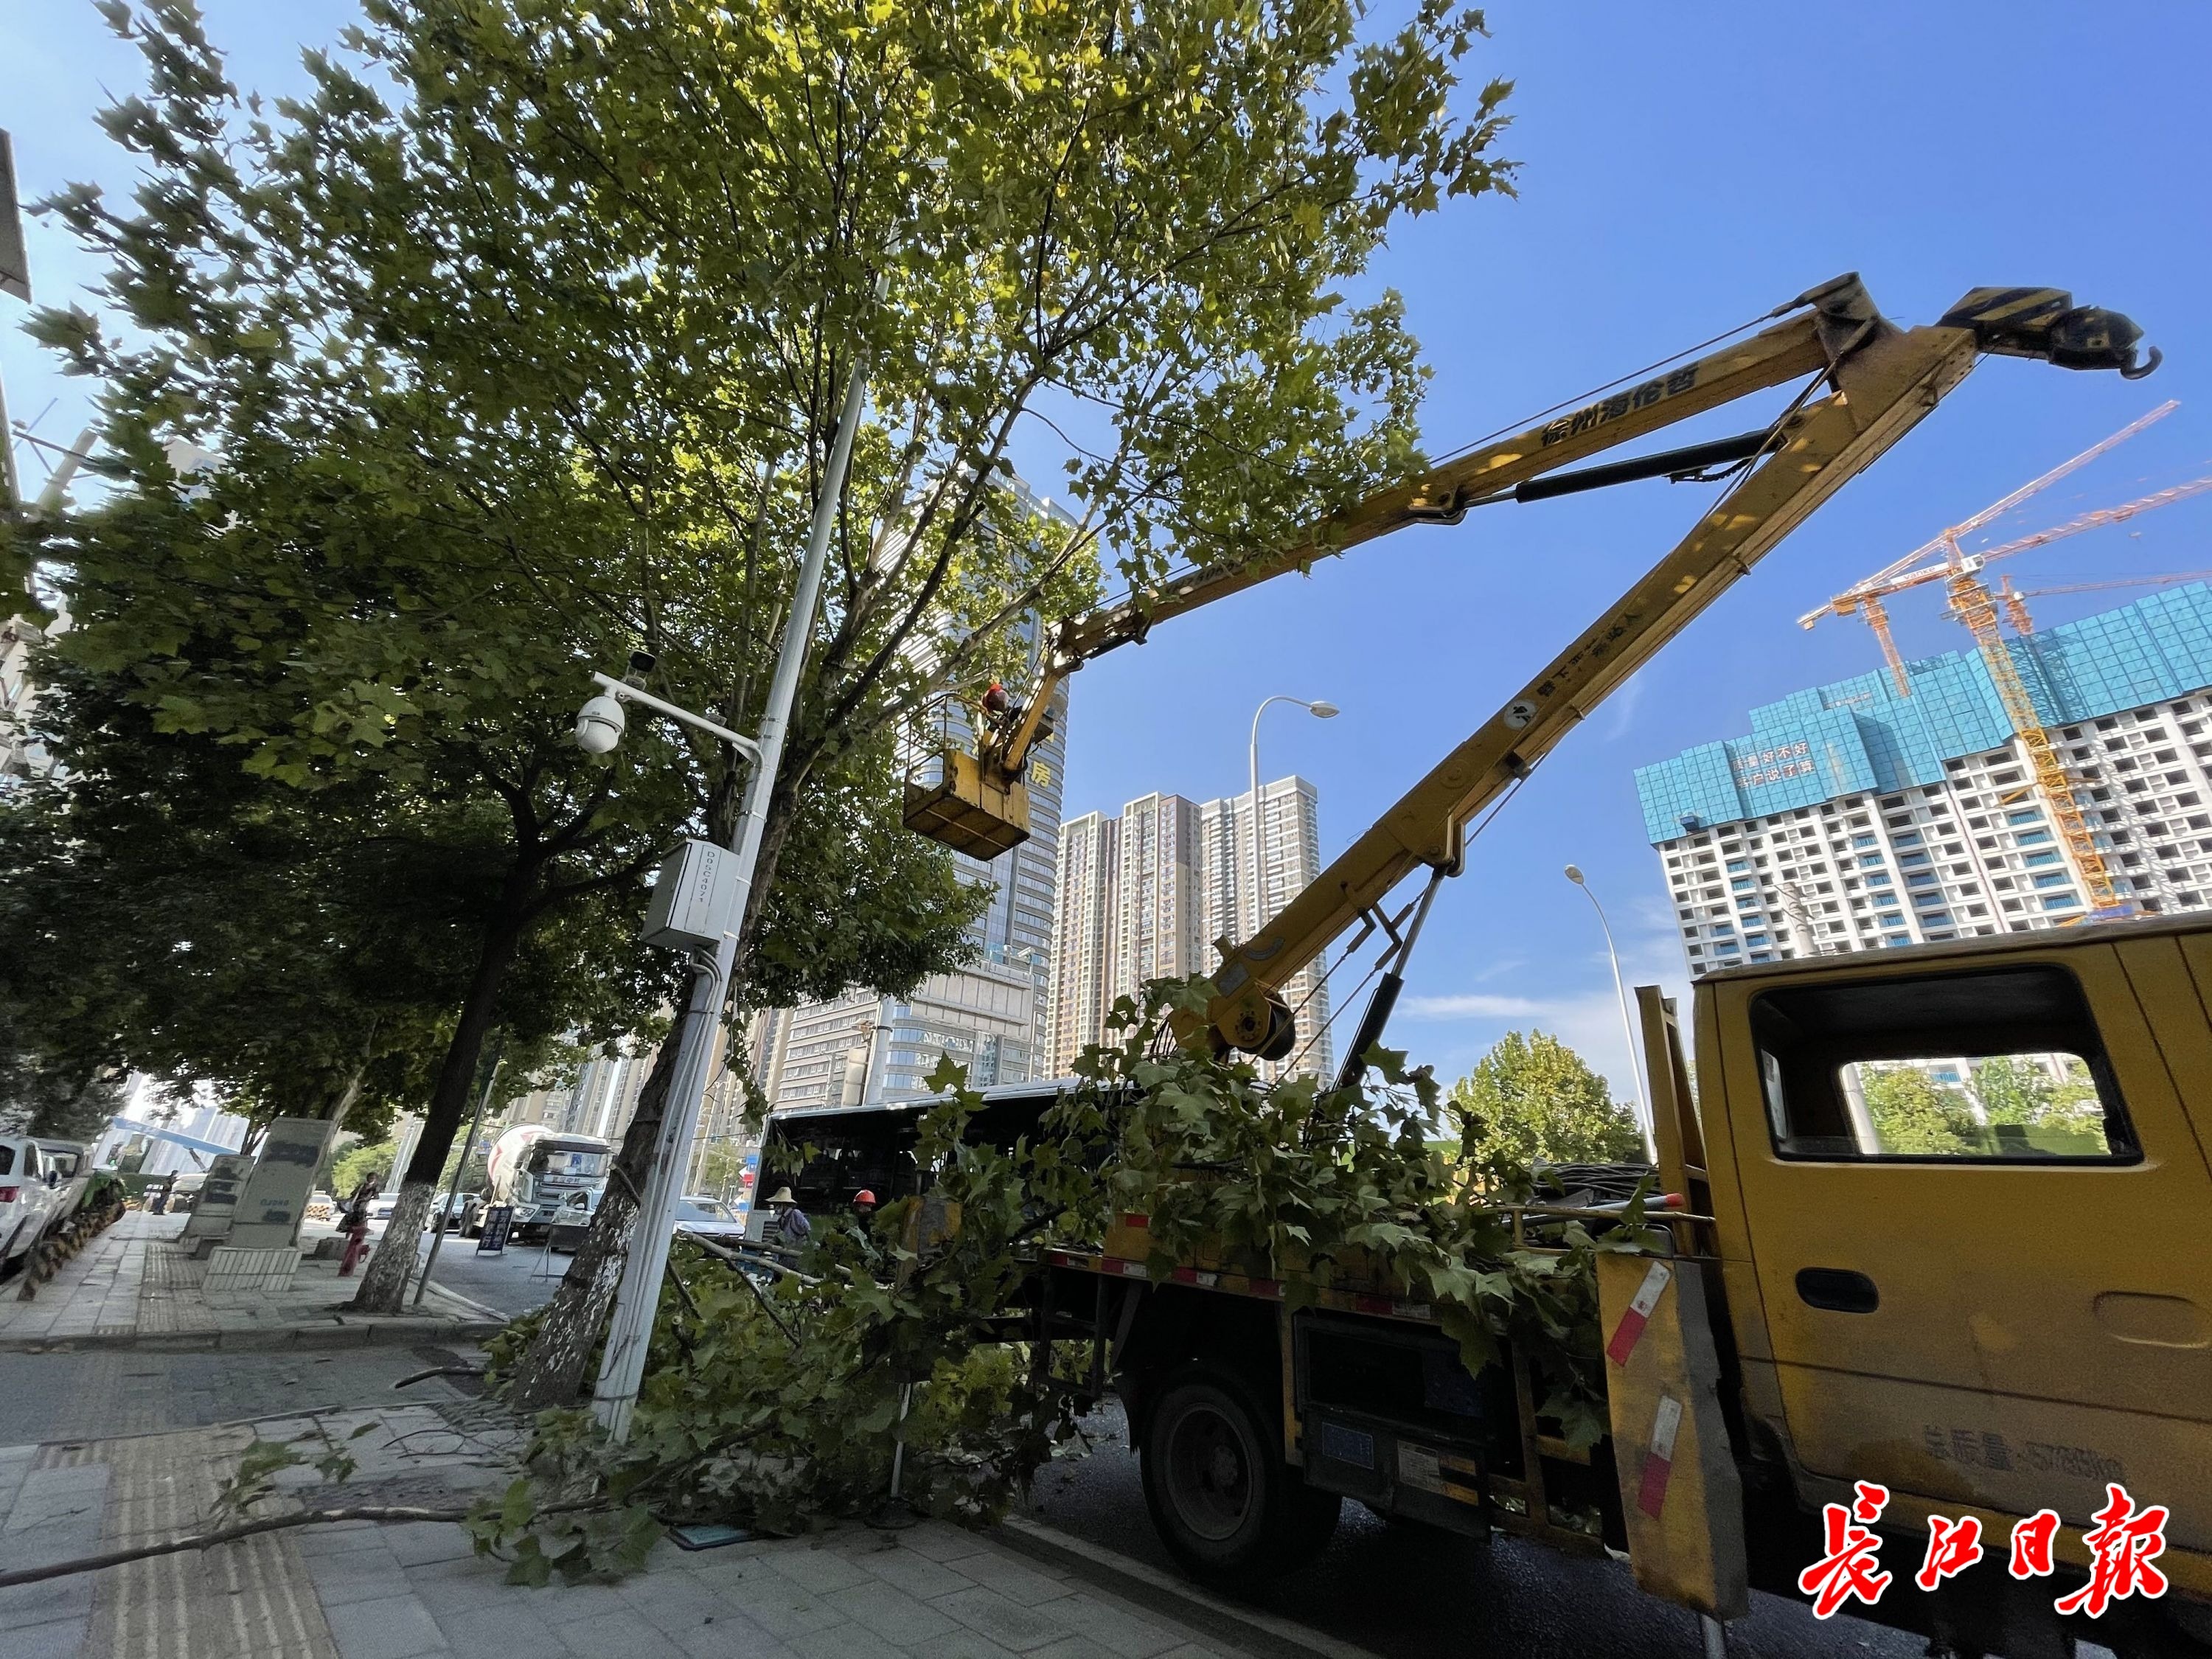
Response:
column 693, row 897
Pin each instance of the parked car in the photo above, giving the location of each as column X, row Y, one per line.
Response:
column 709, row 1218
column 29, row 1187
column 462, row 1210
column 380, row 1208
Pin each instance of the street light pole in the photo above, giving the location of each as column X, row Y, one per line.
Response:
column 629, row 1331
column 1627, row 1024
column 1320, row 709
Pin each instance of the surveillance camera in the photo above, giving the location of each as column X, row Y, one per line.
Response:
column 640, row 662
column 600, row 725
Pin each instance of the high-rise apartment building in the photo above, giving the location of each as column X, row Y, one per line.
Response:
column 1144, row 895
column 1854, row 817
column 1082, row 953
column 1158, row 915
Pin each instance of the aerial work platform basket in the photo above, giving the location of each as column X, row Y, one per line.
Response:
column 949, row 798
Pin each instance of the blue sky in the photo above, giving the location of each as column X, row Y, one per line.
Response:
column 1686, row 168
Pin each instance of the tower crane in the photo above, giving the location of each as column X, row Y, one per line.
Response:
column 1867, row 598
column 1864, row 383
column 1969, row 599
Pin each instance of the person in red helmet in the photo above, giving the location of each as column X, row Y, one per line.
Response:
column 864, row 1205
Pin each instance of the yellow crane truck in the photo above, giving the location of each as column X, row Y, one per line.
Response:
column 1995, row 1326
column 1985, row 1318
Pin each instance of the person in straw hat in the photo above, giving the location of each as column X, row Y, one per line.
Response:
column 791, row 1228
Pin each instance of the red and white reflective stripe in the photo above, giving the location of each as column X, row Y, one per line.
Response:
column 1133, row 1270
column 1651, row 1497
column 1626, row 1334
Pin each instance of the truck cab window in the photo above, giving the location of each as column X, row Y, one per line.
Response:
column 2002, row 1067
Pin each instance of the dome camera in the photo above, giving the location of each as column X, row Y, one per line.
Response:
column 600, row 725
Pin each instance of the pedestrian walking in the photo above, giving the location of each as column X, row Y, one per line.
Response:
column 356, row 1224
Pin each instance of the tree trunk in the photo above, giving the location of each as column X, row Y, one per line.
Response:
column 384, row 1285
column 551, row 1372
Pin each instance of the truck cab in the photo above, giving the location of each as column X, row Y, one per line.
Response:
column 1959, row 1197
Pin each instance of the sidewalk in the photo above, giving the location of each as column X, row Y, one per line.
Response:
column 355, row 1590
column 136, row 1286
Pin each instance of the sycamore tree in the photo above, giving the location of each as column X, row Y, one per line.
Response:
column 518, row 342
column 1534, row 1099
column 172, row 914
column 1131, row 228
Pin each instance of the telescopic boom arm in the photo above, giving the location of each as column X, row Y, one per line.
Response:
column 1880, row 382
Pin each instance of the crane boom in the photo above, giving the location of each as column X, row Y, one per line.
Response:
column 2168, row 579
column 1882, row 381
column 979, row 805
column 2097, row 519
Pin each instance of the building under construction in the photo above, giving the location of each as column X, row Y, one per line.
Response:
column 1854, row 816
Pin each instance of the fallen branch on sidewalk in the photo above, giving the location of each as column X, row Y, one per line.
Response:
column 438, row 1370
column 231, row 1535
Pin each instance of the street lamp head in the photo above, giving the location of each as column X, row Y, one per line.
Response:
column 1323, row 710
column 1575, row 875
column 600, row 725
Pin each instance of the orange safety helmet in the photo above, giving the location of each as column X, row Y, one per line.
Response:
column 863, row 1196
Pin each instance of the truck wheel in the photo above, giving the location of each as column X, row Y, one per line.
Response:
column 1221, row 1497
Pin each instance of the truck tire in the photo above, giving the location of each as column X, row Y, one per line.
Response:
column 1221, row 1498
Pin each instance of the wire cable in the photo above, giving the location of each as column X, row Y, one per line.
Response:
column 1645, row 372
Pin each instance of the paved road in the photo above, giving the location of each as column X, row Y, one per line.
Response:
column 1407, row 1592
column 515, row 1280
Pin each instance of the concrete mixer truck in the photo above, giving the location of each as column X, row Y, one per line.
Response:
column 539, row 1170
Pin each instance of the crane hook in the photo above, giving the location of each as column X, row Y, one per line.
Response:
column 2149, row 366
